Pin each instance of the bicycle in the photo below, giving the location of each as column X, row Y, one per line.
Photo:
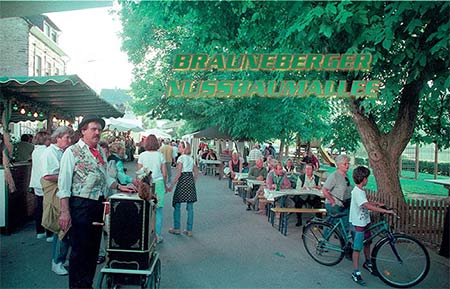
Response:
column 399, row 260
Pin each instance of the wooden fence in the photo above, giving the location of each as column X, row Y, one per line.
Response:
column 423, row 219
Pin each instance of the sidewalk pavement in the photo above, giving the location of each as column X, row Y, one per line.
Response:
column 231, row 248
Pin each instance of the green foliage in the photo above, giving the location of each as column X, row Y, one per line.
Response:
column 428, row 167
column 408, row 41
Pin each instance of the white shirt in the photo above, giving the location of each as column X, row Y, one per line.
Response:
column 187, row 162
column 254, row 155
column 175, row 152
column 359, row 214
column 37, row 169
column 52, row 158
column 152, row 161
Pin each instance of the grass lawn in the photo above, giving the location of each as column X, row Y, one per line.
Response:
column 409, row 185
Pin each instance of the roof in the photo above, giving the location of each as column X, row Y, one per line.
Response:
column 25, row 8
column 115, row 96
column 212, row 133
column 38, row 20
column 66, row 96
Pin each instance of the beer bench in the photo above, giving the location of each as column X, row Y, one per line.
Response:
column 284, row 216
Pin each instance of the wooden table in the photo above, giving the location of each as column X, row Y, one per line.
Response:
column 444, row 182
column 240, row 176
column 215, row 164
column 271, row 195
column 252, row 182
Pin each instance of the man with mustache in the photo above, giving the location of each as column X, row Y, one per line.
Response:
column 84, row 184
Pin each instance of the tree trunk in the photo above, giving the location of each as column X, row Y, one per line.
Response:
column 280, row 153
column 384, row 150
column 298, row 148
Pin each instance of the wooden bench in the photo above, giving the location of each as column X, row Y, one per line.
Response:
column 284, row 216
column 242, row 191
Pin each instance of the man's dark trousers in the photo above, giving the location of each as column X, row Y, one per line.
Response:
column 85, row 240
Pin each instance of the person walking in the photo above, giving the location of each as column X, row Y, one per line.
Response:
column 61, row 140
column 185, row 191
column 41, row 142
column 153, row 161
column 83, row 184
column 167, row 151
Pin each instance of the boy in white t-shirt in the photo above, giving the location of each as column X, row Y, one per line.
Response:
column 360, row 219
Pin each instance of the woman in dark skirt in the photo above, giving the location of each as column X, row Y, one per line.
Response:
column 185, row 191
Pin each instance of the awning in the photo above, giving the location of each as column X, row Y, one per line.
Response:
column 65, row 96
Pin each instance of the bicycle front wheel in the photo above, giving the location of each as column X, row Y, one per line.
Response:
column 408, row 269
column 323, row 244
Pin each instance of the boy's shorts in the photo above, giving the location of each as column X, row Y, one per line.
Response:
column 359, row 235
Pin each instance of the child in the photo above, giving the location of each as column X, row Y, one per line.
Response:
column 360, row 219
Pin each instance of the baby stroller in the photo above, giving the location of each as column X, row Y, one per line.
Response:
column 131, row 244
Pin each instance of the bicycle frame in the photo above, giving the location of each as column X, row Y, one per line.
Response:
column 377, row 229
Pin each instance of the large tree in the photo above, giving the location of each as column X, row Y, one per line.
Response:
column 408, row 41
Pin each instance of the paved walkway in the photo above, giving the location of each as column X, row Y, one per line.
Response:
column 231, row 248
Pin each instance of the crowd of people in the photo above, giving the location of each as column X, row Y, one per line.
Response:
column 341, row 198
column 74, row 172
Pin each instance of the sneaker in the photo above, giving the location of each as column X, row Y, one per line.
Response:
column 174, row 231
column 358, row 279
column 236, row 193
column 369, row 267
column 49, row 239
column 59, row 269
column 41, row 236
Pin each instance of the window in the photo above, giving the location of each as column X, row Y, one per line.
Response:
column 56, row 71
column 48, row 71
column 47, row 29
column 54, row 36
column 37, row 66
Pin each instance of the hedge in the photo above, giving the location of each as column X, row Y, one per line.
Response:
column 424, row 166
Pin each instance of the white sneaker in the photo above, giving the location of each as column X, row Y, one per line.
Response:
column 49, row 239
column 59, row 268
column 41, row 236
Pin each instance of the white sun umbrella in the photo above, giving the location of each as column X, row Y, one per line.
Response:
column 157, row 132
column 123, row 124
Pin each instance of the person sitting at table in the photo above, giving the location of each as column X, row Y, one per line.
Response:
column 201, row 155
column 290, row 171
column 253, row 155
column 235, row 166
column 305, row 182
column 211, row 155
column 270, row 163
column 276, row 180
column 311, row 159
column 257, row 172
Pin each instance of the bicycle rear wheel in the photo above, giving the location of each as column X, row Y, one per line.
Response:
column 322, row 244
column 414, row 264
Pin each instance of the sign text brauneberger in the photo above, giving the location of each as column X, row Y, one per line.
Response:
column 272, row 88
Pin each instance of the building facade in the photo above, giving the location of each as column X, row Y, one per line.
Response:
column 29, row 47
